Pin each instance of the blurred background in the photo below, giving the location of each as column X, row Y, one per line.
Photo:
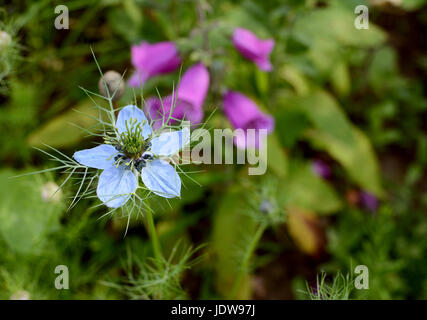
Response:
column 345, row 183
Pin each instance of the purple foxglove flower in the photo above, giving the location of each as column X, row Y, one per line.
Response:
column 119, row 178
column 187, row 100
column 368, row 201
column 321, row 169
column 244, row 114
column 153, row 59
column 253, row 48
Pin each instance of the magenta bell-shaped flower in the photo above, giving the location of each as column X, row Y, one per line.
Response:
column 321, row 169
column 244, row 114
column 187, row 100
column 368, row 201
column 253, row 48
column 153, row 59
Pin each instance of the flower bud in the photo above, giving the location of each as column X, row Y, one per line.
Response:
column 114, row 82
column 50, row 193
column 266, row 207
column 20, row 295
column 5, row 40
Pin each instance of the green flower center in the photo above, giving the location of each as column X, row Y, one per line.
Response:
column 132, row 141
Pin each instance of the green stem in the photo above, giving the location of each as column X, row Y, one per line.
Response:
column 246, row 260
column 153, row 235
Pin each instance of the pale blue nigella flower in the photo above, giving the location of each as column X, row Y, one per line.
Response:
column 135, row 151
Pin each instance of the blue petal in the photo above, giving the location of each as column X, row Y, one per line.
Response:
column 169, row 143
column 115, row 186
column 133, row 112
column 161, row 178
column 100, row 157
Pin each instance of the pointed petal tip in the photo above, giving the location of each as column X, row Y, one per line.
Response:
column 115, row 186
column 132, row 111
column 99, row 157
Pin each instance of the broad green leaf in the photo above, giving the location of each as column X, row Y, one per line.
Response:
column 340, row 79
column 357, row 158
column 334, row 133
column 304, row 189
column 328, row 31
column 325, row 114
column 383, row 66
column 277, row 159
column 125, row 25
column 294, row 77
column 231, row 228
column 292, row 124
column 336, row 24
column 133, row 12
column 28, row 211
column 60, row 131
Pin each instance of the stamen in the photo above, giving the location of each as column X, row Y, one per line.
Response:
column 131, row 142
column 139, row 164
column 147, row 156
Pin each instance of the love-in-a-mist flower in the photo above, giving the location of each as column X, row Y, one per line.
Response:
column 153, row 59
column 134, row 151
column 244, row 114
column 186, row 102
column 253, row 48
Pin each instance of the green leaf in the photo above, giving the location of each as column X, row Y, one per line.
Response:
column 336, row 24
column 294, row 77
column 328, row 31
column 292, row 125
column 383, row 66
column 27, row 212
column 357, row 158
column 413, row 4
column 133, row 12
column 308, row 191
column 340, row 79
column 239, row 17
column 231, row 228
column 325, row 114
column 124, row 25
column 334, row 133
column 60, row 131
column 276, row 156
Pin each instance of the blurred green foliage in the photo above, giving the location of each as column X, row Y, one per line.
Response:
column 353, row 98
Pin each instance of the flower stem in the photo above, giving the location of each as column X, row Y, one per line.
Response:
column 201, row 16
column 246, row 259
column 153, row 235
